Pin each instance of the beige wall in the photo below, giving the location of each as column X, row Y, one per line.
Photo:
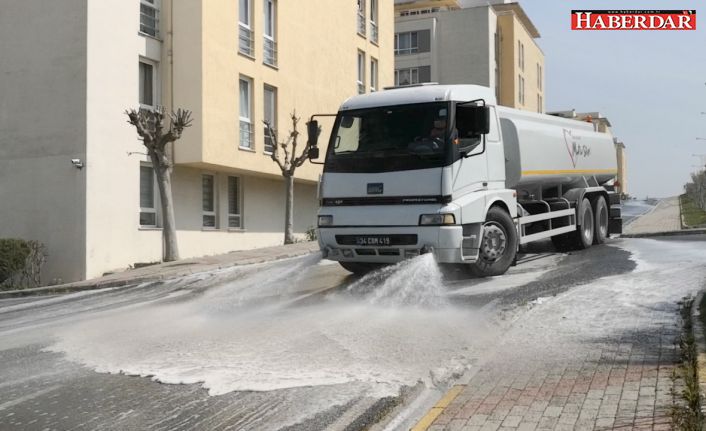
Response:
column 317, row 70
column 512, row 31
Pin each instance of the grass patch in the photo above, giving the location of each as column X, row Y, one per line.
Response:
column 686, row 411
column 693, row 215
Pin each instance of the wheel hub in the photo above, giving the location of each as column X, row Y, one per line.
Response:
column 494, row 242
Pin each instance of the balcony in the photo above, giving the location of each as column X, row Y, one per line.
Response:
column 270, row 51
column 246, row 41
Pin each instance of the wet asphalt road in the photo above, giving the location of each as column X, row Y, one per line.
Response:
column 42, row 388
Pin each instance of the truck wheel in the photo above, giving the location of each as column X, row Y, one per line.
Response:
column 583, row 236
column 360, row 268
column 498, row 246
column 600, row 213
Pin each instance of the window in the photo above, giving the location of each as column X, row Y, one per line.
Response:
column 208, row 201
column 361, row 72
column 373, row 74
column 246, row 130
column 234, row 219
column 374, row 21
column 246, row 42
column 148, row 212
column 361, row 17
column 539, row 77
column 520, row 55
column 521, row 88
column 539, row 104
column 406, row 43
column 270, row 116
column 148, row 90
column 149, row 17
column 270, row 44
column 407, row 76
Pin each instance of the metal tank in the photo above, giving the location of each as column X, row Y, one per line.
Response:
column 545, row 151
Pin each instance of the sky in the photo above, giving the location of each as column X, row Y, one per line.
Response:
column 650, row 84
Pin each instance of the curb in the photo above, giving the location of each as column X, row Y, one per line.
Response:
column 698, row 333
column 163, row 272
column 433, row 413
column 666, row 233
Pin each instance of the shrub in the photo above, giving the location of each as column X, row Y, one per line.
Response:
column 20, row 263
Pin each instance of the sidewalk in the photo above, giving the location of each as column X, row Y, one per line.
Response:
column 176, row 269
column 665, row 217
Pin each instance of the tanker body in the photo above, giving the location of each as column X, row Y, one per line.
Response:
column 444, row 170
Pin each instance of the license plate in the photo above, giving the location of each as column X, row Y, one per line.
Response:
column 373, row 240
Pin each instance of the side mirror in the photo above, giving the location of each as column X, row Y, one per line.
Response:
column 312, row 128
column 313, row 153
column 472, row 120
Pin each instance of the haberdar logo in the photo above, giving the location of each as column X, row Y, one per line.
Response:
column 633, row 20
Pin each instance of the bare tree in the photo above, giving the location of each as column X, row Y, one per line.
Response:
column 151, row 128
column 285, row 155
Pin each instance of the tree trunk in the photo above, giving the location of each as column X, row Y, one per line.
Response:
column 164, row 182
column 289, row 210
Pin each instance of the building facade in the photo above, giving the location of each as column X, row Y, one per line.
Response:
column 67, row 83
column 489, row 43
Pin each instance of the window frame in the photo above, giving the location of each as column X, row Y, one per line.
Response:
column 156, row 6
column 412, row 71
column 272, row 89
column 374, row 21
column 246, row 120
column 155, row 93
column 144, row 209
column 214, row 202
column 374, row 66
column 270, row 40
column 360, row 78
column 360, row 18
column 246, row 33
column 412, row 48
column 239, row 202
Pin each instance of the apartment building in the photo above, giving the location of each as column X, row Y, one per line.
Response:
column 73, row 173
column 484, row 42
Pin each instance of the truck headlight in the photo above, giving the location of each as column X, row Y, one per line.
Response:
column 436, row 219
column 325, row 220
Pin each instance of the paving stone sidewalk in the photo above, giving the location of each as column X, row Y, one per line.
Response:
column 665, row 217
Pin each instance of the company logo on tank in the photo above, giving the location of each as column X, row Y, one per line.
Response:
column 574, row 147
column 633, row 20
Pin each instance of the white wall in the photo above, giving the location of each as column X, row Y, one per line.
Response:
column 42, row 127
column 113, row 237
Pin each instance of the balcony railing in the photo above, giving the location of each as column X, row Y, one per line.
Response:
column 361, row 88
column 269, row 144
column 270, row 51
column 246, row 133
column 361, row 24
column 246, row 42
column 149, row 20
column 373, row 32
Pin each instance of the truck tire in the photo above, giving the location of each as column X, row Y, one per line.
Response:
column 498, row 246
column 360, row 268
column 582, row 238
column 600, row 214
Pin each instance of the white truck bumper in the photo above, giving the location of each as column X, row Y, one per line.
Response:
column 392, row 244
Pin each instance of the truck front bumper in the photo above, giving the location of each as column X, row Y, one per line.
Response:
column 358, row 244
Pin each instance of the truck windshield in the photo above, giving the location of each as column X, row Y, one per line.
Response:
column 390, row 138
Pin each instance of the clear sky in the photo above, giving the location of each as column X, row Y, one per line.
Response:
column 650, row 84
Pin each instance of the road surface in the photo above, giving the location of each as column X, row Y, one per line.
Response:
column 292, row 345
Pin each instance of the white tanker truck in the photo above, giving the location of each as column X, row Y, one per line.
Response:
column 442, row 169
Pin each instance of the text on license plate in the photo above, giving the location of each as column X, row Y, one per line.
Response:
column 373, row 240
